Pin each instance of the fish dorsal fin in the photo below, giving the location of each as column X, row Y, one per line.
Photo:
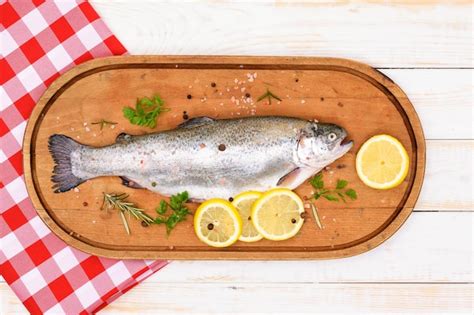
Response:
column 195, row 122
column 123, row 138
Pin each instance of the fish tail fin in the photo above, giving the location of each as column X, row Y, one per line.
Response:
column 61, row 148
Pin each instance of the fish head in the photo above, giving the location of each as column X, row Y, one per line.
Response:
column 320, row 144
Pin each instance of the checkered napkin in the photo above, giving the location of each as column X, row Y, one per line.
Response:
column 39, row 41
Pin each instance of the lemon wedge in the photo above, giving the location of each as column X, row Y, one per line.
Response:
column 382, row 162
column 277, row 214
column 243, row 203
column 217, row 223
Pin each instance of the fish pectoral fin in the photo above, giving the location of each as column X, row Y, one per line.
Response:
column 195, row 122
column 289, row 178
column 123, row 138
column 130, row 183
column 297, row 177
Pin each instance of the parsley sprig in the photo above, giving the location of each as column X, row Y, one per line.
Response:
column 339, row 193
column 146, row 111
column 178, row 211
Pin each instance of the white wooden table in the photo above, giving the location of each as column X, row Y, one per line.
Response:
column 426, row 47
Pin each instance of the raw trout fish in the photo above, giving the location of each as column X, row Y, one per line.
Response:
column 206, row 157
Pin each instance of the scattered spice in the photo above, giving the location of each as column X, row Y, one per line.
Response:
column 322, row 99
column 296, row 80
column 231, row 199
column 153, row 184
column 293, row 220
column 213, row 84
column 210, row 226
column 144, row 224
column 221, row 147
column 85, row 204
column 247, row 95
column 189, row 96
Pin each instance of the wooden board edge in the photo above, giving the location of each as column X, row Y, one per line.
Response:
column 244, row 61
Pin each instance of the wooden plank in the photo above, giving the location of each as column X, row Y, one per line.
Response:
column 443, row 99
column 429, row 247
column 446, row 186
column 293, row 298
column 182, row 298
column 414, row 34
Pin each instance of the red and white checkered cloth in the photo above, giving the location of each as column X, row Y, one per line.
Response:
column 39, row 41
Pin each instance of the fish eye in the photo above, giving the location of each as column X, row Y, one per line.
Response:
column 332, row 136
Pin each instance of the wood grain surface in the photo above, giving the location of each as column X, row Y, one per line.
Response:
column 424, row 46
column 340, row 91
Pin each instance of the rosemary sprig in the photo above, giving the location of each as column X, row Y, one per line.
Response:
column 103, row 123
column 316, row 216
column 268, row 95
column 118, row 201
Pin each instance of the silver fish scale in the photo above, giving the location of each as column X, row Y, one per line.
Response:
column 258, row 152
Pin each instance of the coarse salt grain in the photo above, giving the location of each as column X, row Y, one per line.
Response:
column 84, row 124
column 255, row 75
column 303, row 101
column 242, row 89
column 78, row 137
column 232, row 99
column 236, row 80
column 76, row 189
column 112, row 126
column 88, row 129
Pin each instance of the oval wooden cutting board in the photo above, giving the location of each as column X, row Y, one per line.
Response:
column 352, row 95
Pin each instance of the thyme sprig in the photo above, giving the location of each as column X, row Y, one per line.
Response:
column 103, row 123
column 268, row 95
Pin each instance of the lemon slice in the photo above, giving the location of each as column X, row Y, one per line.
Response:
column 382, row 162
column 217, row 223
column 277, row 214
column 243, row 203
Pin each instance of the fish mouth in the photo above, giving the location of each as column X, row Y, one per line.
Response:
column 345, row 145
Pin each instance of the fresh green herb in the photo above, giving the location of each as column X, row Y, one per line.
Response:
column 178, row 211
column 146, row 111
column 268, row 95
column 336, row 194
column 316, row 216
column 103, row 123
column 118, row 201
